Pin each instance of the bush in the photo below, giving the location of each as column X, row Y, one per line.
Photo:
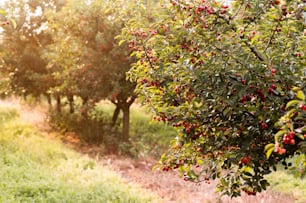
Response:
column 147, row 138
column 91, row 129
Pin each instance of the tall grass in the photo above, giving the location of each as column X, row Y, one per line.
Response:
column 36, row 169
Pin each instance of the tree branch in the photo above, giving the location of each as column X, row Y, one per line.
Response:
column 255, row 51
column 147, row 56
column 272, row 36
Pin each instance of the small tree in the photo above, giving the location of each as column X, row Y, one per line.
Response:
column 222, row 75
column 93, row 66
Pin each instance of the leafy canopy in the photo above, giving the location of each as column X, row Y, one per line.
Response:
column 222, row 75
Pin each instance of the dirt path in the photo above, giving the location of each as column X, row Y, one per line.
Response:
column 168, row 185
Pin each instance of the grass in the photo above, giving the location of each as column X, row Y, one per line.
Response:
column 285, row 182
column 147, row 137
column 37, row 169
column 282, row 181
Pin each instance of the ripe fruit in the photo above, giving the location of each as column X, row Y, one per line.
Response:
column 223, row 11
column 291, row 135
column 273, row 86
column 292, row 142
column 264, row 125
column 243, row 99
column 244, row 160
column 280, row 150
column 224, row 6
column 275, row 2
column 289, row 138
column 303, row 107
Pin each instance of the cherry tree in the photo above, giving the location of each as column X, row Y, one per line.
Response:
column 222, row 74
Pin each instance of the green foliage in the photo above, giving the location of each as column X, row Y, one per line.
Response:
column 222, row 75
column 292, row 131
column 36, row 169
column 93, row 129
column 24, row 39
column 84, row 56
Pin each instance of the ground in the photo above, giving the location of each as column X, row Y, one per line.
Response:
column 168, row 185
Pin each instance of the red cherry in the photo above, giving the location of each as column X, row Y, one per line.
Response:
column 286, row 139
column 292, row 142
column 303, row 107
column 273, row 86
column 224, row 6
column 280, row 150
column 264, row 125
column 244, row 160
column 291, row 135
column 243, row 99
column 210, row 11
column 223, row 11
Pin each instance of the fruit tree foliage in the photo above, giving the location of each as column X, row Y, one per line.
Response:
column 222, row 74
column 23, row 40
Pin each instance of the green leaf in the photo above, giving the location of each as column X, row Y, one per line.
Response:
column 2, row 12
column 13, row 23
column 291, row 103
column 294, row 88
column 269, row 146
column 269, row 152
column 279, row 133
column 300, row 95
column 300, row 136
column 121, row 42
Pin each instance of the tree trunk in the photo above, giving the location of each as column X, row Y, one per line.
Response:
column 115, row 115
column 71, row 104
column 126, row 122
column 58, row 104
column 49, row 100
column 84, row 100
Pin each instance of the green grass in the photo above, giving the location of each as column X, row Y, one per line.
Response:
column 149, row 137
column 37, row 169
column 285, row 182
